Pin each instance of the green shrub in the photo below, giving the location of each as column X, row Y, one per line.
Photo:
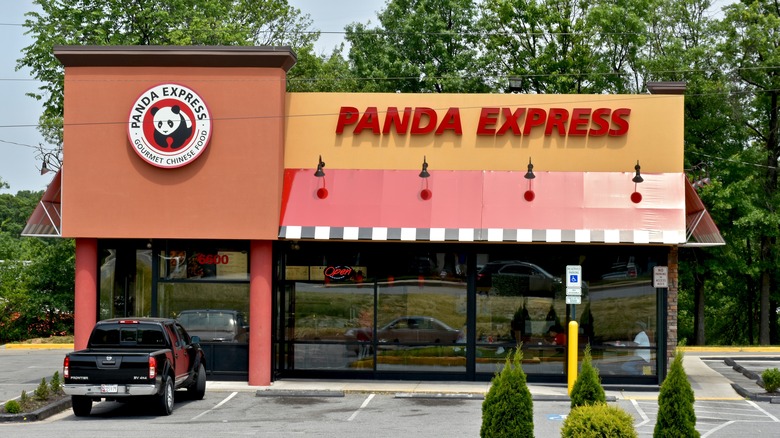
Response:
column 42, row 391
column 24, row 400
column 676, row 417
column 12, row 407
column 771, row 378
column 587, row 389
column 598, row 420
column 508, row 409
column 55, row 384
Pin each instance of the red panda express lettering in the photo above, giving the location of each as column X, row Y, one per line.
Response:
column 492, row 121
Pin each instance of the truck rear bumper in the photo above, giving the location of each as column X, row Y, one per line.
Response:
column 108, row 390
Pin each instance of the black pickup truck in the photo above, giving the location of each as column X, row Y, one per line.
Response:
column 128, row 358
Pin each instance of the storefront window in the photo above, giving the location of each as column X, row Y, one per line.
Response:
column 421, row 325
column 205, row 286
column 391, row 308
column 204, row 262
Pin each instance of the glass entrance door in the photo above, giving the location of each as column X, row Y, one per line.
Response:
column 125, row 281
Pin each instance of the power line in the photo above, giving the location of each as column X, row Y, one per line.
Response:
column 18, row 144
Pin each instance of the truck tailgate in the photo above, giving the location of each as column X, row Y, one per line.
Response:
column 96, row 367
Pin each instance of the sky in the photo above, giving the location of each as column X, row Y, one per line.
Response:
column 19, row 165
column 19, row 114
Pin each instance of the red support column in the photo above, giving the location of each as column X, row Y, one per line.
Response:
column 260, row 316
column 85, row 306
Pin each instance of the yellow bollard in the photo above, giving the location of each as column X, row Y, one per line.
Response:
column 573, row 350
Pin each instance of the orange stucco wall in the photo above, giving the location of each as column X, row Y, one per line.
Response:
column 232, row 191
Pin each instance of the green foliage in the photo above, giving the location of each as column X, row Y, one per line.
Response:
column 676, row 417
column 771, row 379
column 507, row 410
column 24, row 399
column 55, row 384
column 598, row 420
column 587, row 389
column 153, row 22
column 420, row 46
column 42, row 391
column 12, row 407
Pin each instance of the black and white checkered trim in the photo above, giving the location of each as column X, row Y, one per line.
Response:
column 669, row 237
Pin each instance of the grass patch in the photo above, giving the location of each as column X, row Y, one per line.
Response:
column 45, row 341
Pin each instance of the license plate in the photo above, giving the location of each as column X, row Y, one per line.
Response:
column 108, row 389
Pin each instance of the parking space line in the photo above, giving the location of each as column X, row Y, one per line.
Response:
column 752, row 403
column 215, row 407
column 365, row 403
column 645, row 418
column 716, row 428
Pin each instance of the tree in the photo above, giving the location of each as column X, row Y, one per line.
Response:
column 564, row 46
column 421, row 46
column 507, row 410
column 587, row 388
column 676, row 416
column 750, row 51
column 148, row 22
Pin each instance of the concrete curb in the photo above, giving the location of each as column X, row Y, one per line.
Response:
column 298, row 393
column 752, row 376
column 440, row 396
column 39, row 414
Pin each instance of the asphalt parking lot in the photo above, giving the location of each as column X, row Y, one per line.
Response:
column 236, row 409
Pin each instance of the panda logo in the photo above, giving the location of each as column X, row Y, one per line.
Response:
column 172, row 127
column 169, row 126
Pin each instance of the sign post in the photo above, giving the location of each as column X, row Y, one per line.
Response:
column 573, row 297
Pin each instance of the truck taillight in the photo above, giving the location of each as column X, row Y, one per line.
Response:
column 152, row 368
column 66, row 368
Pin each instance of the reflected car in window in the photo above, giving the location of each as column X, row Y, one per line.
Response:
column 215, row 325
column 514, row 277
column 409, row 329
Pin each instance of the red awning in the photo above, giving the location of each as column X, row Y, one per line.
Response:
column 46, row 219
column 701, row 229
column 577, row 207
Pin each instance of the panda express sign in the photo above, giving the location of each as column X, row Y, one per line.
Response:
column 493, row 121
column 169, row 126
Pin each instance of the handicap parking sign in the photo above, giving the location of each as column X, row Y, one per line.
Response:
column 574, row 276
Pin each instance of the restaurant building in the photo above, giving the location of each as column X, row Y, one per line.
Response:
column 369, row 235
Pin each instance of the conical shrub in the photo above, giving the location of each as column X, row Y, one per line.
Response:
column 507, row 410
column 587, row 389
column 676, row 416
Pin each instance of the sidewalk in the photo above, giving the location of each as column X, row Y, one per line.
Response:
column 708, row 383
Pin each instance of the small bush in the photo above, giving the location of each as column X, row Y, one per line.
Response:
column 42, row 391
column 508, row 410
column 771, row 378
column 587, row 389
column 12, row 407
column 676, row 417
column 55, row 384
column 24, row 400
column 598, row 420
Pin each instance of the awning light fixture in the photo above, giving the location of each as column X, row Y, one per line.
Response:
column 529, row 194
column 425, row 193
column 636, row 197
column 319, row 173
column 322, row 192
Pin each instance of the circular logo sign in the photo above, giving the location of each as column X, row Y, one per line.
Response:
column 170, row 126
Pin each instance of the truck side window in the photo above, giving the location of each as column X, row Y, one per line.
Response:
column 181, row 334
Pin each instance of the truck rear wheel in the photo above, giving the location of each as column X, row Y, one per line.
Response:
column 165, row 399
column 197, row 388
column 82, row 405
